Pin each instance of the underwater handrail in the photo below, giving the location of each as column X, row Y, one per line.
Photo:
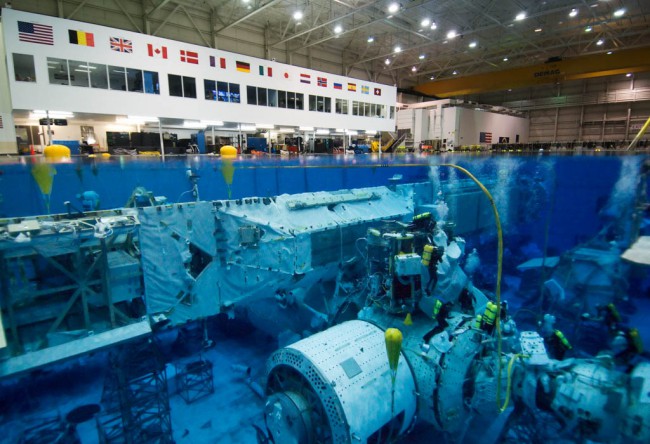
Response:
column 497, row 319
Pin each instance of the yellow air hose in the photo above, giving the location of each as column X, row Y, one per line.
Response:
column 499, row 269
column 640, row 134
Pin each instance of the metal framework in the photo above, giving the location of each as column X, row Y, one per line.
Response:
column 194, row 380
column 136, row 398
column 65, row 281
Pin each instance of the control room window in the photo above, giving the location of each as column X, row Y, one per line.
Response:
column 117, row 78
column 235, row 96
column 291, row 100
column 273, row 97
column 320, row 104
column 79, row 73
column 261, row 96
column 251, row 95
column 341, row 106
column 328, row 105
column 24, row 70
column 57, row 70
column 210, row 89
column 189, row 87
column 299, row 101
column 134, row 80
column 392, row 112
column 355, row 108
column 222, row 92
column 175, row 85
column 151, row 83
column 98, row 76
column 312, row 103
column 282, row 99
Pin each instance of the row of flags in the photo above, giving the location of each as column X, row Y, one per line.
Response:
column 43, row 34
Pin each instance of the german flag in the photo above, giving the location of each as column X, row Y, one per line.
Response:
column 81, row 38
column 243, row 67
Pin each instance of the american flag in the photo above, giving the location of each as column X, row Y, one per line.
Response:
column 34, row 33
column 322, row 81
column 485, row 137
column 121, row 45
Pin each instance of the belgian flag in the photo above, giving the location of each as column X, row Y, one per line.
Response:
column 81, row 38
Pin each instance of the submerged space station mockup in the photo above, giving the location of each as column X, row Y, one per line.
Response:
column 372, row 289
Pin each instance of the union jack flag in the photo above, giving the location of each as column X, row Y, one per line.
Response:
column 121, row 45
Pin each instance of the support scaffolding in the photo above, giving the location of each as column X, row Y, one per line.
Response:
column 136, row 397
column 195, row 380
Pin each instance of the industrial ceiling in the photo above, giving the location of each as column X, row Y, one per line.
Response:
column 406, row 43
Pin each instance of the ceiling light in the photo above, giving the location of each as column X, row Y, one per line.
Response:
column 426, row 22
column 52, row 114
column 246, row 1
column 588, row 29
column 371, row 39
column 421, row 57
column 351, row 132
column 247, row 127
column 455, row 72
column 414, row 69
column 573, row 12
column 472, row 45
column 538, row 29
column 619, row 12
column 609, row 52
column 432, row 77
column 338, row 29
column 398, row 49
column 322, row 132
column 264, row 126
column 434, row 26
column 297, row 15
column 505, row 59
column 306, row 128
column 193, row 124
column 393, row 7
column 387, row 61
column 212, row 122
column 451, row 34
column 286, row 130
column 521, row 16
column 600, row 42
column 629, row 74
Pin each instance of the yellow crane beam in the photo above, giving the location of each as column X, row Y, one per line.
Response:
column 582, row 67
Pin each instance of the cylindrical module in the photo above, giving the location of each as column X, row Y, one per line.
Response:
column 336, row 387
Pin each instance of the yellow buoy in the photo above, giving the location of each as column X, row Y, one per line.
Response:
column 393, row 338
column 228, row 151
column 106, row 155
column 56, row 152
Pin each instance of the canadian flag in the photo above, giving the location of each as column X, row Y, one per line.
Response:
column 157, row 51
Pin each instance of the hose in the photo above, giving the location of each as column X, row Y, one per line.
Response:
column 502, row 408
column 639, row 135
column 499, row 270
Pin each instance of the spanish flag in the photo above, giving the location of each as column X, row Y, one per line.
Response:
column 81, row 38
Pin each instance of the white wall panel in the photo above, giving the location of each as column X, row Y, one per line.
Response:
column 43, row 95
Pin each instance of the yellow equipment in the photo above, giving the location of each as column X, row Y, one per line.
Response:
column 57, row 152
column 228, row 151
column 393, row 338
column 426, row 254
